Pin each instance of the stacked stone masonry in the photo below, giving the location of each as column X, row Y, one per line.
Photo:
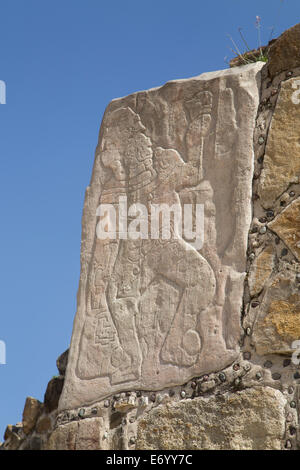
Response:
column 180, row 348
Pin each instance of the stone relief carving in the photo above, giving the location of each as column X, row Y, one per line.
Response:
column 157, row 312
column 121, row 284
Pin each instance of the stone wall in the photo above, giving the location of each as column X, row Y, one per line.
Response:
column 220, row 375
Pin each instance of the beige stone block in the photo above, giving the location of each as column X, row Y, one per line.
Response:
column 284, row 54
column 282, row 156
column 284, row 315
column 278, row 318
column 252, row 419
column 63, row 437
column 88, row 435
column 261, row 270
column 287, row 226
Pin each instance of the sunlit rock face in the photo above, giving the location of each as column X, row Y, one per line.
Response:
column 282, row 156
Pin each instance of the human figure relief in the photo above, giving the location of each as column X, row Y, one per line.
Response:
column 151, row 177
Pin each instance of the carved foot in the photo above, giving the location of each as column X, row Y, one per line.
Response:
column 182, row 351
column 127, row 375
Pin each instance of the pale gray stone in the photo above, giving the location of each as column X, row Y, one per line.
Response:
column 155, row 313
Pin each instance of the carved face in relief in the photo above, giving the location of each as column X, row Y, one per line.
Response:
column 129, row 155
column 112, row 159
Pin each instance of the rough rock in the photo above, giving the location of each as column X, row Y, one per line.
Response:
column 261, row 270
column 88, row 435
column 284, row 54
column 35, row 443
column 12, row 429
column 282, row 156
column 63, row 437
column 142, row 321
column 62, row 361
column 32, row 411
column 82, row 435
column 278, row 319
column 44, row 424
column 284, row 315
column 13, row 442
column 53, row 393
column 287, row 226
column 252, row 419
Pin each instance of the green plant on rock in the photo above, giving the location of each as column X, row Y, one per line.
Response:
column 251, row 55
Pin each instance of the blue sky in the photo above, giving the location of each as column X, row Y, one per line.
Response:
column 63, row 62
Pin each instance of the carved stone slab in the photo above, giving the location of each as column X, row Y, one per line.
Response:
column 153, row 313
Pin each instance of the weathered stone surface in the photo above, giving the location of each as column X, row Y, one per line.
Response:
column 88, row 435
column 63, row 437
column 35, row 443
column 278, row 318
column 252, row 419
column 53, row 393
column 32, row 411
column 284, row 54
column 13, row 442
column 44, row 424
column 142, row 320
column 284, row 315
column 287, row 226
column 62, row 361
column 8, row 431
column 81, row 435
column 282, row 156
column 12, row 429
column 261, row 270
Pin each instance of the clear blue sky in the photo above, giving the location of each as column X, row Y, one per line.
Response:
column 63, row 61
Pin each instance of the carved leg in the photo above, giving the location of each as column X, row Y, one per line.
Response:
column 192, row 272
column 123, row 312
column 182, row 345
